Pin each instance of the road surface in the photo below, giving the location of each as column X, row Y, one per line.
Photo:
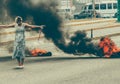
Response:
column 61, row 70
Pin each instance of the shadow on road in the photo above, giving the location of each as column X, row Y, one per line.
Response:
column 6, row 58
column 47, row 59
column 54, row 59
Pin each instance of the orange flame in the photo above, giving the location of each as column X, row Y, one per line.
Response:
column 108, row 46
column 37, row 51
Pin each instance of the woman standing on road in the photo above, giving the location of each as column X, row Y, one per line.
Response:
column 19, row 43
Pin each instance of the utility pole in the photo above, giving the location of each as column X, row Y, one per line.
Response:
column 93, row 4
column 118, row 8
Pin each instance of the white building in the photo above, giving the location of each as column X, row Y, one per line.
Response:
column 87, row 1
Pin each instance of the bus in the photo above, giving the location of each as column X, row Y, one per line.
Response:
column 105, row 8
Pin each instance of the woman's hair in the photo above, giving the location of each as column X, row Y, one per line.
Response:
column 18, row 19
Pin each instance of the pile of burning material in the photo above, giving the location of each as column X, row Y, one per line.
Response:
column 108, row 48
column 37, row 53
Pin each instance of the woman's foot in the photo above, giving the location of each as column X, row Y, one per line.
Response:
column 20, row 67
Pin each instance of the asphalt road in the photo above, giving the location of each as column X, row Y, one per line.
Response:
column 61, row 70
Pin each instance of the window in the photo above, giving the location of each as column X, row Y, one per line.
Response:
column 103, row 6
column 83, row 12
column 109, row 5
column 97, row 6
column 90, row 7
column 114, row 5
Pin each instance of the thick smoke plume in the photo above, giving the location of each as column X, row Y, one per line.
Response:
column 80, row 43
column 45, row 12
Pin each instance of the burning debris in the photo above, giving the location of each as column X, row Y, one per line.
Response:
column 39, row 52
column 108, row 48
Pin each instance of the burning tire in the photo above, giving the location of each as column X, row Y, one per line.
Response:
column 45, row 54
column 108, row 48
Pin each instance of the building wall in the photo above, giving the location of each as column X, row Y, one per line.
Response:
column 66, row 6
column 65, row 3
column 87, row 1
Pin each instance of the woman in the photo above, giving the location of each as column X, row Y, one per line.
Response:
column 19, row 43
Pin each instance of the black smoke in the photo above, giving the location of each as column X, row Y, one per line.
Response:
column 80, row 43
column 45, row 13
column 2, row 11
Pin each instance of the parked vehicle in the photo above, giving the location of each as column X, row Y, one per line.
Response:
column 115, row 15
column 87, row 14
column 105, row 8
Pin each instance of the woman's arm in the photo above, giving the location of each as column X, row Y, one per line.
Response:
column 34, row 26
column 7, row 26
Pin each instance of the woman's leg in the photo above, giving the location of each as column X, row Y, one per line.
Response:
column 20, row 61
